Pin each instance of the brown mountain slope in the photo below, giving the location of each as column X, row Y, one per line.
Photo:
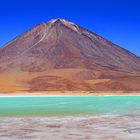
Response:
column 60, row 55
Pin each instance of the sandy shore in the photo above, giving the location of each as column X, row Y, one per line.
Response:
column 71, row 128
column 70, row 93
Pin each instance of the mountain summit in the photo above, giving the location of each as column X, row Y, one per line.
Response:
column 59, row 55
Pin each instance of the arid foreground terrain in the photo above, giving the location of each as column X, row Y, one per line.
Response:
column 71, row 128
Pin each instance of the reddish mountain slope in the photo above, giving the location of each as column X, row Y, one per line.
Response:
column 60, row 55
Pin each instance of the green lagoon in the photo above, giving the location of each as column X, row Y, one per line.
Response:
column 69, row 106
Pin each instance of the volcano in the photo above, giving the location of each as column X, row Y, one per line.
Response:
column 62, row 56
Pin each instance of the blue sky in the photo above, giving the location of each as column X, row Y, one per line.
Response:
column 116, row 20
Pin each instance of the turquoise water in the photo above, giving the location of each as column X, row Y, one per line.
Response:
column 55, row 106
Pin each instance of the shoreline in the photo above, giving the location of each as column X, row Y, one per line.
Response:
column 35, row 96
column 66, row 94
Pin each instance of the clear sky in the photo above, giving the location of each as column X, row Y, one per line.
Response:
column 116, row 20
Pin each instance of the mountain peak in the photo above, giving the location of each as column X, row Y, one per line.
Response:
column 66, row 23
column 61, row 20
